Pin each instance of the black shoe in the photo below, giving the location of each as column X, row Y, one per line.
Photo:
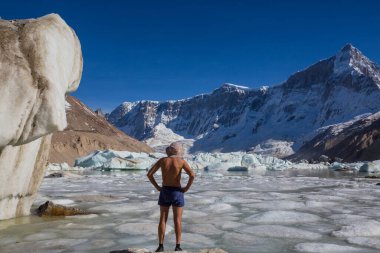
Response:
column 160, row 248
column 177, row 248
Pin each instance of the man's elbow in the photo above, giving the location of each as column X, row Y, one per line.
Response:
column 192, row 175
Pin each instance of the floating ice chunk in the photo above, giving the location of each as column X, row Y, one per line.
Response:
column 244, row 239
column 86, row 216
column 58, row 166
column 50, row 246
column 80, row 233
column 347, row 219
column 141, row 228
column 250, row 161
column 40, row 236
column 365, row 241
column 221, row 208
column 308, row 166
column 324, row 204
column 203, row 229
column 282, row 217
column 196, row 240
column 373, row 166
column 137, row 240
column 96, row 198
column 278, row 231
column 8, row 239
column 237, row 199
column 337, row 166
column 124, row 207
column 96, row 244
column 321, row 197
column 196, row 199
column 81, row 226
column 346, row 166
column 193, row 214
column 359, row 228
column 111, row 159
column 229, row 224
column 278, row 205
column 325, row 247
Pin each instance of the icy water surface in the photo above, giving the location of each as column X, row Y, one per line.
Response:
column 288, row 212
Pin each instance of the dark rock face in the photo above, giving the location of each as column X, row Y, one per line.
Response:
column 358, row 140
column 233, row 118
column 51, row 209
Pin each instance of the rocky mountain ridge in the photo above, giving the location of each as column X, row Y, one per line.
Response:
column 355, row 140
column 86, row 132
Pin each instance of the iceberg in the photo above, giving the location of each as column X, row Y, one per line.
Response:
column 111, row 159
column 373, row 166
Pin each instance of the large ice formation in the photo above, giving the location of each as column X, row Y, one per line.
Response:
column 40, row 61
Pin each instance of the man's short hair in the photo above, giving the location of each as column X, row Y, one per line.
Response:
column 174, row 149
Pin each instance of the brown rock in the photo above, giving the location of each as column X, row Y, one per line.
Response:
column 54, row 175
column 51, row 209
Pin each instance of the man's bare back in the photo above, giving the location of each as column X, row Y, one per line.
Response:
column 171, row 168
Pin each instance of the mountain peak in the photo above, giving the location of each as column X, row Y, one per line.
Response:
column 349, row 52
column 349, row 59
column 348, row 48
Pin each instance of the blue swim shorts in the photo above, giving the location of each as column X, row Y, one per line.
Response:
column 171, row 196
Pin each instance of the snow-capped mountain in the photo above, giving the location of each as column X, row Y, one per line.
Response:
column 233, row 118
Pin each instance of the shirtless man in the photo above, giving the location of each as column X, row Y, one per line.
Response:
column 171, row 192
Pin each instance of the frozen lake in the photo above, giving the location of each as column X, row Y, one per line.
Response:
column 285, row 212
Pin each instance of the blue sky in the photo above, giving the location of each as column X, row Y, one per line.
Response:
column 160, row 50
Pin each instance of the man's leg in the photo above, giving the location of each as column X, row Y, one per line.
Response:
column 177, row 215
column 164, row 212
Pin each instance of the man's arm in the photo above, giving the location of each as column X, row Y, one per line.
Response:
column 191, row 174
column 151, row 172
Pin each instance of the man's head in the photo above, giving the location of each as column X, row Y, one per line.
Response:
column 174, row 149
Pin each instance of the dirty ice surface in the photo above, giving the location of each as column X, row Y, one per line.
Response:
column 237, row 212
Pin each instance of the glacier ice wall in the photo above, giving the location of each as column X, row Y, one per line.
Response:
column 40, row 61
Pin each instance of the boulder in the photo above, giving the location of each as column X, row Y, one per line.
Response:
column 55, row 175
column 51, row 209
column 40, row 61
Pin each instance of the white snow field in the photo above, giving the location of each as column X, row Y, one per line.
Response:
column 239, row 213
